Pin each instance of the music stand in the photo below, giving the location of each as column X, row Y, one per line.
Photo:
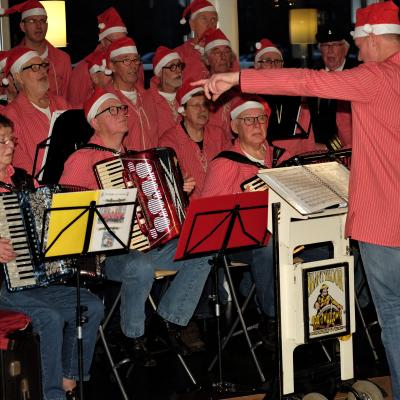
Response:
column 218, row 225
column 91, row 211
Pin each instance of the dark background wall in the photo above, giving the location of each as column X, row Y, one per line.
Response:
column 156, row 22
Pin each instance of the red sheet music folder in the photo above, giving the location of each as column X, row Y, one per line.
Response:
column 208, row 219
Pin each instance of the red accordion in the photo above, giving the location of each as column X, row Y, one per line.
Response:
column 161, row 201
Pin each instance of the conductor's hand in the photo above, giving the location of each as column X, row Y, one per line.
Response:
column 188, row 184
column 218, row 84
column 7, row 253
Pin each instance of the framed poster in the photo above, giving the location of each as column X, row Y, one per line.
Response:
column 326, row 301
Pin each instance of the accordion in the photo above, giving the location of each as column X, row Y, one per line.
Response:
column 341, row 156
column 161, row 201
column 22, row 220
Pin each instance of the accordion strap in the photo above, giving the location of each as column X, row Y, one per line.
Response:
column 237, row 157
column 102, row 148
column 21, row 181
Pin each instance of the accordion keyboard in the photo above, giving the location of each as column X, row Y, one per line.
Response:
column 20, row 271
column 110, row 175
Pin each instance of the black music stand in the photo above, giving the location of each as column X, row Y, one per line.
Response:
column 91, row 210
column 217, row 225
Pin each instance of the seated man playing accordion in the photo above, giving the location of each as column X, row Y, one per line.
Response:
column 226, row 175
column 135, row 270
column 52, row 308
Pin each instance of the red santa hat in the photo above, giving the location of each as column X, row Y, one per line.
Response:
column 94, row 102
column 213, row 38
column 96, row 62
column 17, row 57
column 3, row 60
column 162, row 57
column 377, row 18
column 196, row 7
column 185, row 93
column 110, row 22
column 247, row 102
column 265, row 46
column 27, row 9
column 124, row 45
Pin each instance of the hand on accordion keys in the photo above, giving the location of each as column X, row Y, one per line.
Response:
column 7, row 252
column 188, row 184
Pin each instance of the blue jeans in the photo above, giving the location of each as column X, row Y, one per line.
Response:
column 136, row 273
column 382, row 268
column 52, row 311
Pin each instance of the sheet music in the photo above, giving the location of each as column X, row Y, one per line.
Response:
column 69, row 218
column 54, row 116
column 118, row 218
column 310, row 188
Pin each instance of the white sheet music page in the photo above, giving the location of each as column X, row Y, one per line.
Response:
column 310, row 188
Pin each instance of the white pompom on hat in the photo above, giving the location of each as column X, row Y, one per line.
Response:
column 377, row 18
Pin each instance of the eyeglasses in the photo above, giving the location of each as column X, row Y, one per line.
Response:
column 249, row 121
column 174, row 67
column 128, row 61
column 334, row 45
column 268, row 61
column 36, row 67
column 8, row 140
column 115, row 110
column 35, row 21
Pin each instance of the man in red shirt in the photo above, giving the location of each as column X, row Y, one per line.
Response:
column 108, row 115
column 195, row 141
column 374, row 209
column 33, row 108
column 124, row 61
column 161, row 96
column 219, row 57
column 111, row 27
column 34, row 25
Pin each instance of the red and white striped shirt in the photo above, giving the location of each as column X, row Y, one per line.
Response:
column 31, row 127
column 193, row 161
column 225, row 176
column 142, row 131
column 159, row 110
column 374, row 91
column 78, row 169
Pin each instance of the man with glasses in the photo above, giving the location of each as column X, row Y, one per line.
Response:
column 33, row 108
column 161, row 96
column 195, row 141
column 108, row 116
column 124, row 61
column 111, row 27
column 331, row 119
column 241, row 162
column 34, row 25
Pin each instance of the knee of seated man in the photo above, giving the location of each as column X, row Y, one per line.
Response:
column 130, row 267
column 95, row 307
column 50, row 319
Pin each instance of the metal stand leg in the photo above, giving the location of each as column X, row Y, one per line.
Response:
column 101, row 336
column 232, row 332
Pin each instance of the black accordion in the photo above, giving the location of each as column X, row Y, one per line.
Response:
column 22, row 220
column 161, row 201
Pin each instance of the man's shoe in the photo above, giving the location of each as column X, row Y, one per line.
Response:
column 267, row 330
column 138, row 352
column 174, row 337
column 190, row 336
